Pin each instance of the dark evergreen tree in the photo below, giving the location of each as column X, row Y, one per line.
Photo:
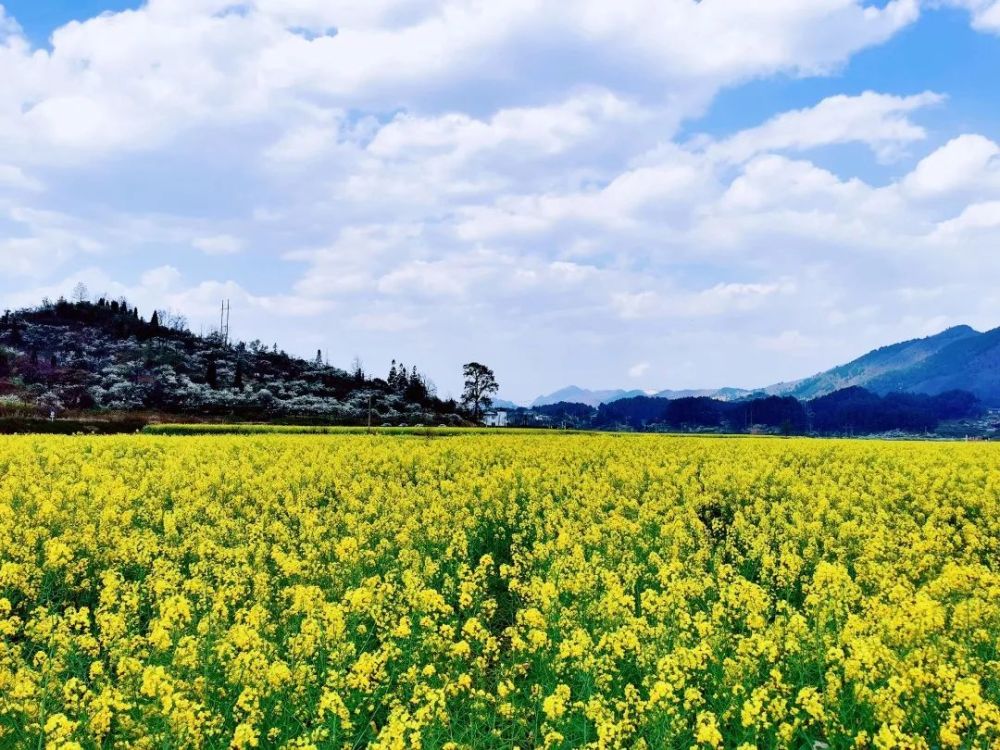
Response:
column 154, row 322
column 416, row 388
column 693, row 412
column 238, row 377
column 212, row 374
column 480, row 387
column 402, row 378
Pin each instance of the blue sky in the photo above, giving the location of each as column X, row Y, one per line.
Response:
column 633, row 194
column 39, row 19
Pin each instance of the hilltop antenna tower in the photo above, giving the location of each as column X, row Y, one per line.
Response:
column 224, row 322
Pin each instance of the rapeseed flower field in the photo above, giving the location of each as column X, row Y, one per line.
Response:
column 521, row 591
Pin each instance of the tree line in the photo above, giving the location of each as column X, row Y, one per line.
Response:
column 851, row 411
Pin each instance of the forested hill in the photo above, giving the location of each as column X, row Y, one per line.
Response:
column 958, row 358
column 81, row 356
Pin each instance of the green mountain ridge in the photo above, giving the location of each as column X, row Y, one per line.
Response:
column 958, row 358
column 969, row 363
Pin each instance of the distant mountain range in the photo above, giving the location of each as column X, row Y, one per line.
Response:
column 502, row 403
column 958, row 358
column 575, row 395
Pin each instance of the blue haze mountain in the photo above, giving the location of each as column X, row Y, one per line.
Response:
column 958, row 358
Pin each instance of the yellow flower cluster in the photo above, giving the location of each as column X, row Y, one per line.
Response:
column 517, row 591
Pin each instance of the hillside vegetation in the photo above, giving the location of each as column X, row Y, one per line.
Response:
column 83, row 356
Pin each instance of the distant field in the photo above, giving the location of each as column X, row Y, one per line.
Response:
column 523, row 591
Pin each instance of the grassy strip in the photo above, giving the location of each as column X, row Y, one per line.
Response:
column 20, row 426
column 278, row 429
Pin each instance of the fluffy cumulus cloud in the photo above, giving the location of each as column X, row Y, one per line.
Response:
column 966, row 164
column 516, row 182
column 878, row 120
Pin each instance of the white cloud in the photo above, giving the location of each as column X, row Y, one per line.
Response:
column 302, row 144
column 716, row 39
column 388, row 322
column 978, row 217
column 323, row 16
column 966, row 163
column 544, row 130
column 572, row 273
column 36, row 243
column 432, row 279
column 663, row 189
column 769, row 182
column 10, row 31
column 137, row 79
column 513, row 173
column 352, row 263
column 787, row 342
column 877, row 120
column 15, row 177
column 988, row 18
column 161, row 278
column 220, row 244
column 638, row 369
column 29, row 256
column 717, row 300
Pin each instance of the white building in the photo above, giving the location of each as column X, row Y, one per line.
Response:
column 496, row 418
